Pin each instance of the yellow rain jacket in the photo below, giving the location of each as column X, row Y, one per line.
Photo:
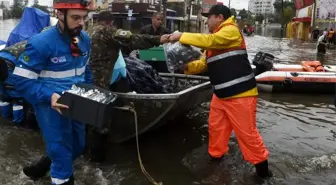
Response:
column 227, row 37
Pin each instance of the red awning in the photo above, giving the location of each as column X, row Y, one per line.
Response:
column 302, row 19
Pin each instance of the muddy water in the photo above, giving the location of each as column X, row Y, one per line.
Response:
column 298, row 130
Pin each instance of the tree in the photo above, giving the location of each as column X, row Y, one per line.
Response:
column 17, row 9
column 43, row 8
column 2, row 5
column 5, row 10
column 233, row 12
column 259, row 18
column 243, row 14
column 288, row 11
column 278, row 5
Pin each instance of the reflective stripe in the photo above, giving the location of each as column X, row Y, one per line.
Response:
column 3, row 104
column 62, row 74
column 59, row 181
column 81, row 70
column 48, row 74
column 233, row 82
column 225, row 55
column 25, row 73
column 17, row 107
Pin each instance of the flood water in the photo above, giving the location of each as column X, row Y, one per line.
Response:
column 298, row 130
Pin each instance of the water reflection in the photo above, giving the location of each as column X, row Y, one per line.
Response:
column 287, row 50
column 270, row 30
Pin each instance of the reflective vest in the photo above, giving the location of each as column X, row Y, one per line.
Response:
column 229, row 70
column 331, row 34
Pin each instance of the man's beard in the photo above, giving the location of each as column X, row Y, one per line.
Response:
column 75, row 31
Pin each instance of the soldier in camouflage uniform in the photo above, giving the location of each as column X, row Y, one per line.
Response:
column 107, row 41
column 16, row 49
column 12, row 52
column 12, row 103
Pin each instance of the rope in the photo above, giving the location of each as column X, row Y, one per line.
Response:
column 149, row 177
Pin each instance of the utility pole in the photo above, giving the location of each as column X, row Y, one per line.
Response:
column 283, row 18
column 189, row 12
column 314, row 14
column 163, row 6
column 161, row 3
column 230, row 4
column 199, row 15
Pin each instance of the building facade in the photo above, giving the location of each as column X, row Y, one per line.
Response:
column 263, row 7
column 6, row 4
column 301, row 25
column 326, row 14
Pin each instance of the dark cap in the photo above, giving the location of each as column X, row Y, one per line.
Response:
column 105, row 16
column 218, row 9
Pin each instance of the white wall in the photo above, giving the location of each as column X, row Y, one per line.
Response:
column 303, row 12
column 261, row 6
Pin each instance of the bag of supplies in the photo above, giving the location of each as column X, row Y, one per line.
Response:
column 177, row 55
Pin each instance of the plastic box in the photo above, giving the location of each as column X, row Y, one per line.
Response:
column 86, row 110
column 152, row 54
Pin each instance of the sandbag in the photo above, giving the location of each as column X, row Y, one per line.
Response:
column 177, row 55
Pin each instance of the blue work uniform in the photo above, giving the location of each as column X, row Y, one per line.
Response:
column 11, row 104
column 46, row 67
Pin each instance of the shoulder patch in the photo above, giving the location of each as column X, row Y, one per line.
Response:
column 123, row 34
column 26, row 58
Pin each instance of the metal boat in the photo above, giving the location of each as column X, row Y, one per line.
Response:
column 154, row 110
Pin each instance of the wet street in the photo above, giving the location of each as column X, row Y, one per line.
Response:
column 298, row 130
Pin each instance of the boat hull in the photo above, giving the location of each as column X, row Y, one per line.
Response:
column 154, row 110
column 299, row 68
column 298, row 82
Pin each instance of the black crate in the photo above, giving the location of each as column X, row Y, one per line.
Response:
column 86, row 110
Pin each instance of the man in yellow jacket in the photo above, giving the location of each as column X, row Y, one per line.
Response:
column 233, row 105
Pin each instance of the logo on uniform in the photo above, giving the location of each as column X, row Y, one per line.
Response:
column 57, row 60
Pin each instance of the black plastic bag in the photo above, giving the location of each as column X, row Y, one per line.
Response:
column 177, row 55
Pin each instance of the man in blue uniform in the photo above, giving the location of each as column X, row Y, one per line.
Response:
column 53, row 61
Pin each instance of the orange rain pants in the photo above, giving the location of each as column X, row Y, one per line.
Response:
column 239, row 115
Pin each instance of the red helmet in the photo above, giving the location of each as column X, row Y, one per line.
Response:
column 72, row 4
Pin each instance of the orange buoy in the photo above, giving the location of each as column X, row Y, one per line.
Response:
column 312, row 66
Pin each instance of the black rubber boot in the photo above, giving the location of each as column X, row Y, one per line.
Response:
column 262, row 170
column 215, row 159
column 38, row 169
column 70, row 182
column 98, row 145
